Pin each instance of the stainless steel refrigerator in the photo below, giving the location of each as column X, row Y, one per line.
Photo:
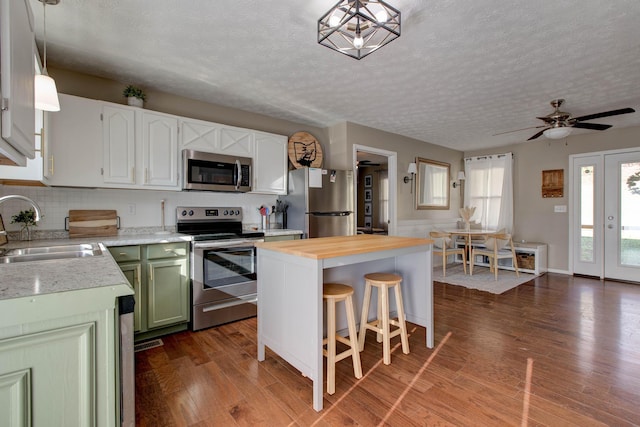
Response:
column 321, row 202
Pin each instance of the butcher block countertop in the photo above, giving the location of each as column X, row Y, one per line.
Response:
column 332, row 247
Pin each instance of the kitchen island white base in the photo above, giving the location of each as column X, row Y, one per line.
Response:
column 290, row 311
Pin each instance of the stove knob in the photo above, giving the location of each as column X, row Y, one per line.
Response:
column 190, row 213
column 183, row 213
column 237, row 211
column 226, row 212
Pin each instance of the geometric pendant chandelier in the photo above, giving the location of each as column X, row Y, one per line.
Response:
column 358, row 28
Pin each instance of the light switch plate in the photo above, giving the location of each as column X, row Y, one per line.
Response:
column 560, row 208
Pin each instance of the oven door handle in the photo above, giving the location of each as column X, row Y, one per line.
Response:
column 238, row 174
column 224, row 244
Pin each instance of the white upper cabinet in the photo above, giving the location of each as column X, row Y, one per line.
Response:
column 159, row 150
column 270, row 164
column 140, row 148
column 93, row 143
column 17, row 72
column 73, row 143
column 33, row 170
column 236, row 141
column 209, row 137
column 119, row 144
column 199, row 135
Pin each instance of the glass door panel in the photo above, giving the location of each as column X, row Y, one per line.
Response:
column 587, row 242
column 586, row 213
column 621, row 219
column 630, row 214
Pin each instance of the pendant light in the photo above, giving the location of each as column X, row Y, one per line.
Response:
column 357, row 28
column 46, row 94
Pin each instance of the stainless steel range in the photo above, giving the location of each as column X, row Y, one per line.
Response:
column 223, row 265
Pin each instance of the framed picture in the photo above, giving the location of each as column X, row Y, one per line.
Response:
column 368, row 208
column 368, row 181
column 367, row 221
column 368, row 195
column 553, row 183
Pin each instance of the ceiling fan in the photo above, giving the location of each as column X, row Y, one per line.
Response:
column 558, row 124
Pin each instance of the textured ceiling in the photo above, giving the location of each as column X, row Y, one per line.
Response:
column 461, row 72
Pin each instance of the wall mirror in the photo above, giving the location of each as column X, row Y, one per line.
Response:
column 432, row 184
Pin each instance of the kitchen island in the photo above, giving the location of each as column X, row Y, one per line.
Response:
column 290, row 278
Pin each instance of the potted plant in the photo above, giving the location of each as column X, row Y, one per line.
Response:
column 27, row 219
column 135, row 96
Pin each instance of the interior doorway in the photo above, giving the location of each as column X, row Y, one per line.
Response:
column 605, row 223
column 376, row 194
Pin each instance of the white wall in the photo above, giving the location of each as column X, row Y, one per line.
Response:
column 56, row 203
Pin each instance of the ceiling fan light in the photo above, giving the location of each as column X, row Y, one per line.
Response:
column 557, row 133
column 46, row 94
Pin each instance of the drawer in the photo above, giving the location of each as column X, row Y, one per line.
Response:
column 125, row 253
column 167, row 250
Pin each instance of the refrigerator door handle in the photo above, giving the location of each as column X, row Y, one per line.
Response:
column 338, row 213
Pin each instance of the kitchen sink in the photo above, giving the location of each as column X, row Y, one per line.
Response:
column 45, row 253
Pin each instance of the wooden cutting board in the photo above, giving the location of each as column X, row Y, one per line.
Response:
column 92, row 223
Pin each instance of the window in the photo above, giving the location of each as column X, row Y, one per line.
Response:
column 489, row 187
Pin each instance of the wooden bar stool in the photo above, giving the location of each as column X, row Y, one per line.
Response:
column 381, row 326
column 334, row 293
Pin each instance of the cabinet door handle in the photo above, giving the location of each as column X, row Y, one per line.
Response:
column 146, row 175
column 133, row 175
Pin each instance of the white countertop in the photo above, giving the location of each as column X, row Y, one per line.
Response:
column 24, row 279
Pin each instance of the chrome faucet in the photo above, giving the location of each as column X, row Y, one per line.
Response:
column 26, row 199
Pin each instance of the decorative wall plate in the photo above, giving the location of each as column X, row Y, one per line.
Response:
column 304, row 150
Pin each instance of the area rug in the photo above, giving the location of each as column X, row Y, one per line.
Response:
column 482, row 278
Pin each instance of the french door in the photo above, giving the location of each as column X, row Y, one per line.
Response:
column 606, row 215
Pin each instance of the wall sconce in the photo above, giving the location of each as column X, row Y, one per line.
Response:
column 460, row 179
column 411, row 170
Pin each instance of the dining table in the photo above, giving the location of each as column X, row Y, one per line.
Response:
column 469, row 235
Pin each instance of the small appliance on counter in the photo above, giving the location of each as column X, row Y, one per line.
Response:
column 223, row 264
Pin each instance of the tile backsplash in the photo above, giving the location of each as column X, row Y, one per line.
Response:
column 136, row 208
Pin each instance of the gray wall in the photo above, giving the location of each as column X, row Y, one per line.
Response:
column 408, row 149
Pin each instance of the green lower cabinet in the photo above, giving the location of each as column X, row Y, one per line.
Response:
column 59, row 359
column 167, row 293
column 41, row 365
column 159, row 274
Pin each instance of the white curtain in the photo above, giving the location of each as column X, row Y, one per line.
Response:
column 489, row 187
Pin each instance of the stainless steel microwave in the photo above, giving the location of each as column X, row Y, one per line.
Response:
column 215, row 172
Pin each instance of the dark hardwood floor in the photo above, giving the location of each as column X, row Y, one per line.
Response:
column 556, row 351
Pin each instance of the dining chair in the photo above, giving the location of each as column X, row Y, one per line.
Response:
column 444, row 246
column 495, row 249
